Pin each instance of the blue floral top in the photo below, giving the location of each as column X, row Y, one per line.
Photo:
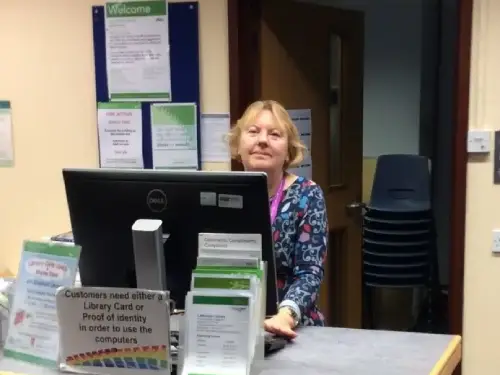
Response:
column 300, row 243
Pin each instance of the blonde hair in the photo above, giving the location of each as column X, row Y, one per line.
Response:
column 296, row 148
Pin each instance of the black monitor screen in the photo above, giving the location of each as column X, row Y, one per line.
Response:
column 104, row 204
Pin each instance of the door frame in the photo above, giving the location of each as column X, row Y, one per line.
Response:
column 244, row 58
column 244, row 66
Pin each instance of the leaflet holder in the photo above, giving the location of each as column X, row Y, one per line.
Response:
column 260, row 342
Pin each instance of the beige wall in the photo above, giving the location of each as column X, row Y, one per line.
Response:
column 46, row 71
column 482, row 269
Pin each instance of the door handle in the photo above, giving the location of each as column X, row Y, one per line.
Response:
column 355, row 205
column 355, row 209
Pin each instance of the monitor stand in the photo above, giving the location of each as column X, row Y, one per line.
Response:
column 149, row 257
column 147, row 237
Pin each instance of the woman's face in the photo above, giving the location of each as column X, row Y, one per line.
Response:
column 263, row 145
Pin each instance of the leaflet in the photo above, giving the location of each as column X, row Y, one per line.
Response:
column 224, row 261
column 230, row 245
column 234, row 282
column 218, row 333
column 230, row 253
column 33, row 334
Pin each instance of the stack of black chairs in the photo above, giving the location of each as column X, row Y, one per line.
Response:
column 399, row 240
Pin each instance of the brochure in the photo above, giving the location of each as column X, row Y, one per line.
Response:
column 217, row 333
column 33, row 334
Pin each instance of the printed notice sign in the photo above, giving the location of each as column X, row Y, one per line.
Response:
column 111, row 329
column 302, row 120
column 137, row 50
column 174, row 135
column 6, row 141
column 120, row 135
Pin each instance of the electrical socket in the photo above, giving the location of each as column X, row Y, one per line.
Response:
column 479, row 141
column 495, row 241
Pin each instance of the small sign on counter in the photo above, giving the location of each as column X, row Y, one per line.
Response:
column 114, row 330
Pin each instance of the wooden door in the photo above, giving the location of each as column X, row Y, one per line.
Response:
column 311, row 57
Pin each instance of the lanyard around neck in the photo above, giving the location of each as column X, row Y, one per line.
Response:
column 275, row 201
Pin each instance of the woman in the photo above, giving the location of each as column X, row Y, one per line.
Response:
column 266, row 140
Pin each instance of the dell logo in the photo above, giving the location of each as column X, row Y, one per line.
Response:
column 157, row 200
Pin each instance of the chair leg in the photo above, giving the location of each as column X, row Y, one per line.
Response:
column 367, row 307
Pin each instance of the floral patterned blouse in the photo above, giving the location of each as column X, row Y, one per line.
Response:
column 300, row 245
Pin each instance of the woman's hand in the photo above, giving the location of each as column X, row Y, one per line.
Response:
column 281, row 324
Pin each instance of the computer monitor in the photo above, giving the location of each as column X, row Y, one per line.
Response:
column 104, row 204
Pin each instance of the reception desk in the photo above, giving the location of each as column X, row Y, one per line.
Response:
column 343, row 351
column 339, row 351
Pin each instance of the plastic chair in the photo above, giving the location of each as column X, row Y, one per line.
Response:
column 399, row 240
column 401, row 185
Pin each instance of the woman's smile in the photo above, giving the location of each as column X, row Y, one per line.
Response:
column 261, row 154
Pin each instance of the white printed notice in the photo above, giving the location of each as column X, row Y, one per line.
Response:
column 137, row 50
column 33, row 334
column 174, row 135
column 214, row 147
column 114, row 330
column 120, row 135
column 217, row 333
column 302, row 120
column 6, row 141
